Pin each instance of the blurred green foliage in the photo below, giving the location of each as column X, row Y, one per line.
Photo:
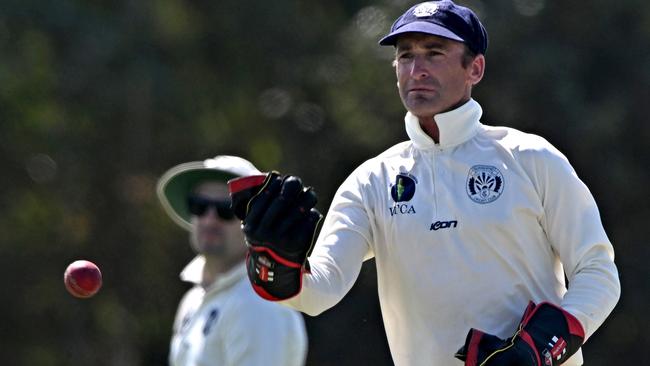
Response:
column 99, row 98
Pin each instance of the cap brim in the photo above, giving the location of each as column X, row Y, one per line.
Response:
column 419, row 27
column 174, row 186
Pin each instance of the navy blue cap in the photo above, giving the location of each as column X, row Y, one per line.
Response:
column 441, row 18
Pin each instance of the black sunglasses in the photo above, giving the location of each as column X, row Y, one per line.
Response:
column 198, row 206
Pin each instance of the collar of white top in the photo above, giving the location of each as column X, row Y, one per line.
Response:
column 455, row 126
column 194, row 270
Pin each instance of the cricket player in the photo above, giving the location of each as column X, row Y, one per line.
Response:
column 473, row 227
column 220, row 320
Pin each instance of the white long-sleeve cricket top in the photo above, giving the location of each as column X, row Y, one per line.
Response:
column 227, row 324
column 464, row 233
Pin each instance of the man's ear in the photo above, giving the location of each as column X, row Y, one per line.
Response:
column 476, row 69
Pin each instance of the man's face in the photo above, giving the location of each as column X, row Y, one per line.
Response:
column 430, row 74
column 212, row 234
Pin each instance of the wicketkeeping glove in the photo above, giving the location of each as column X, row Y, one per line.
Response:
column 280, row 224
column 546, row 336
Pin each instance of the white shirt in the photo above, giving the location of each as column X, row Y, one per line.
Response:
column 478, row 225
column 229, row 325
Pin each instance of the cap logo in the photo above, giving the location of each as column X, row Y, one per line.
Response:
column 425, row 10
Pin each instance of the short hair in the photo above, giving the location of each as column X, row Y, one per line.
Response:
column 468, row 57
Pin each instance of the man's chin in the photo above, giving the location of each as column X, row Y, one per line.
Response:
column 210, row 247
column 422, row 107
column 423, row 113
column 428, row 110
column 213, row 250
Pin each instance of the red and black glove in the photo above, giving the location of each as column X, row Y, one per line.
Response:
column 280, row 223
column 546, row 336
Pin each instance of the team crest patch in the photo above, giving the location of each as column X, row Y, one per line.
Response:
column 425, row 10
column 484, row 183
column 404, row 187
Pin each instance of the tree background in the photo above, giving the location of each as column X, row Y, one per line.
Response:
column 99, row 98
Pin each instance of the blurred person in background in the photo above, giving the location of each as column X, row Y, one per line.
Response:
column 473, row 227
column 220, row 320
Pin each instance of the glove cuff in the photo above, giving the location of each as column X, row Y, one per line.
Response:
column 469, row 352
column 273, row 277
column 552, row 332
column 546, row 336
column 572, row 323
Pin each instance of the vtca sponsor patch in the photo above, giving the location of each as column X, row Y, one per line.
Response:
column 401, row 209
column 402, row 191
column 404, row 187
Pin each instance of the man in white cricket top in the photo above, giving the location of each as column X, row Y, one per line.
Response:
column 473, row 228
column 214, row 325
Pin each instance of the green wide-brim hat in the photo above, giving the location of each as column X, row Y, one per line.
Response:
column 176, row 184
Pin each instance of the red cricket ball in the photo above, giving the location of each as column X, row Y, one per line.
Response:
column 82, row 279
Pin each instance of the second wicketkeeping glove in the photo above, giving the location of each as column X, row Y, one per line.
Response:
column 546, row 336
column 280, row 224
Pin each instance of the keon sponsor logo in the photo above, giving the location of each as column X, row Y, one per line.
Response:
column 443, row 225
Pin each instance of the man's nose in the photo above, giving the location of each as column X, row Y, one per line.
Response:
column 210, row 214
column 418, row 68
